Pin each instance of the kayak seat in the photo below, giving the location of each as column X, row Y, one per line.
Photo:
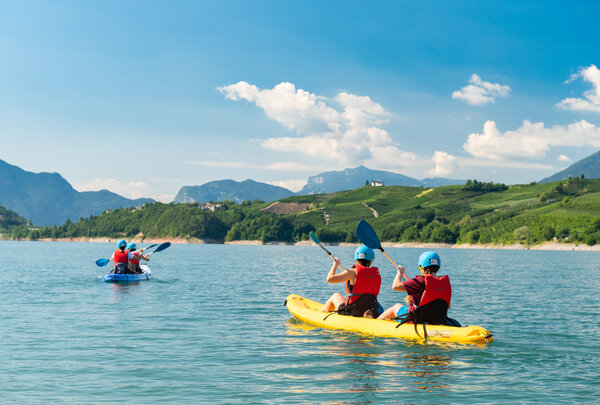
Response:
column 360, row 306
column 433, row 313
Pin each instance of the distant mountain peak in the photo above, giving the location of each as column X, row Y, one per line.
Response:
column 352, row 178
column 589, row 167
column 228, row 189
column 48, row 199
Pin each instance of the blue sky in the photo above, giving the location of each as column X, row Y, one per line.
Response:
column 144, row 97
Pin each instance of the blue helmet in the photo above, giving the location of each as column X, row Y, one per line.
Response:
column 364, row 252
column 131, row 246
column 121, row 243
column 430, row 259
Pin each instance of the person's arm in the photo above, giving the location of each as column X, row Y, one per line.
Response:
column 345, row 275
column 398, row 285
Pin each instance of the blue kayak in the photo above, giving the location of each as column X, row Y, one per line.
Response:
column 129, row 278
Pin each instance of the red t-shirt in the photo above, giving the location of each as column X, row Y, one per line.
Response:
column 415, row 288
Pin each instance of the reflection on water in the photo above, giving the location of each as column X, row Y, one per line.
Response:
column 364, row 366
column 429, row 372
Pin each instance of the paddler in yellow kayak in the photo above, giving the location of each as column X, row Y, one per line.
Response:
column 429, row 294
column 362, row 285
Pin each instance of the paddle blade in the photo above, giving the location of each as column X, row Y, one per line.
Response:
column 315, row 239
column 318, row 242
column 102, row 262
column 151, row 246
column 162, row 246
column 367, row 236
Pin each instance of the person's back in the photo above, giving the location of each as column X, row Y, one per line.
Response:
column 429, row 294
column 134, row 258
column 362, row 295
column 121, row 258
column 435, row 300
column 362, row 286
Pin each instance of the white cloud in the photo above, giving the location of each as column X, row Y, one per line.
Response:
column 294, row 185
column 505, row 164
column 296, row 109
column 348, row 135
column 480, row 92
column 219, row 164
column 563, row 158
column 531, row 140
column 288, row 166
column 128, row 189
column 591, row 100
column 444, row 164
column 277, row 166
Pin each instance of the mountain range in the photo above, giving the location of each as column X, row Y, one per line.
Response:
column 350, row 179
column 326, row 182
column 589, row 167
column 221, row 190
column 48, row 199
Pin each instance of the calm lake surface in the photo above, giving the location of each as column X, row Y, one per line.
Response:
column 211, row 328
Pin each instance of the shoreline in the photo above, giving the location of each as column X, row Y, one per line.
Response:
column 549, row 245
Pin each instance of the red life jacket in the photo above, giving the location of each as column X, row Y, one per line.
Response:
column 436, row 288
column 368, row 281
column 136, row 258
column 120, row 256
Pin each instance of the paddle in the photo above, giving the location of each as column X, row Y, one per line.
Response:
column 161, row 247
column 318, row 242
column 366, row 234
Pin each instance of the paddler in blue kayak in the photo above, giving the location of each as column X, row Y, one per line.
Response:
column 429, row 294
column 120, row 258
column 134, row 257
column 362, row 285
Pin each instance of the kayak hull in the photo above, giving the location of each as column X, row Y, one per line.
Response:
column 129, row 278
column 310, row 312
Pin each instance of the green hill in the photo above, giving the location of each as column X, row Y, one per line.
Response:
column 473, row 213
column 10, row 219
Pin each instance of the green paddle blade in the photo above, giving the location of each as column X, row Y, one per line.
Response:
column 367, row 236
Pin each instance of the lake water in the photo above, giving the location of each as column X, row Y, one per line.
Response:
column 211, row 328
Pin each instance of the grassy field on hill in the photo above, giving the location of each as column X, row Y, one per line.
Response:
column 474, row 213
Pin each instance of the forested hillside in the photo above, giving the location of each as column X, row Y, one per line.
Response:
column 473, row 213
column 10, row 219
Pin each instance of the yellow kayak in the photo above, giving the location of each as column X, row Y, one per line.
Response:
column 310, row 312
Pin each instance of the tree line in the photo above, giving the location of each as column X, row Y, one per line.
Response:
column 564, row 211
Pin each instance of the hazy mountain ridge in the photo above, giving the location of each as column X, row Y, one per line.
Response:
column 48, row 199
column 326, row 182
column 220, row 190
column 589, row 167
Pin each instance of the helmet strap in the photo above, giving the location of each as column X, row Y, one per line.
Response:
column 422, row 270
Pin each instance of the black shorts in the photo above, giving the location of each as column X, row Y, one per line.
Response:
column 121, row 268
column 360, row 306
